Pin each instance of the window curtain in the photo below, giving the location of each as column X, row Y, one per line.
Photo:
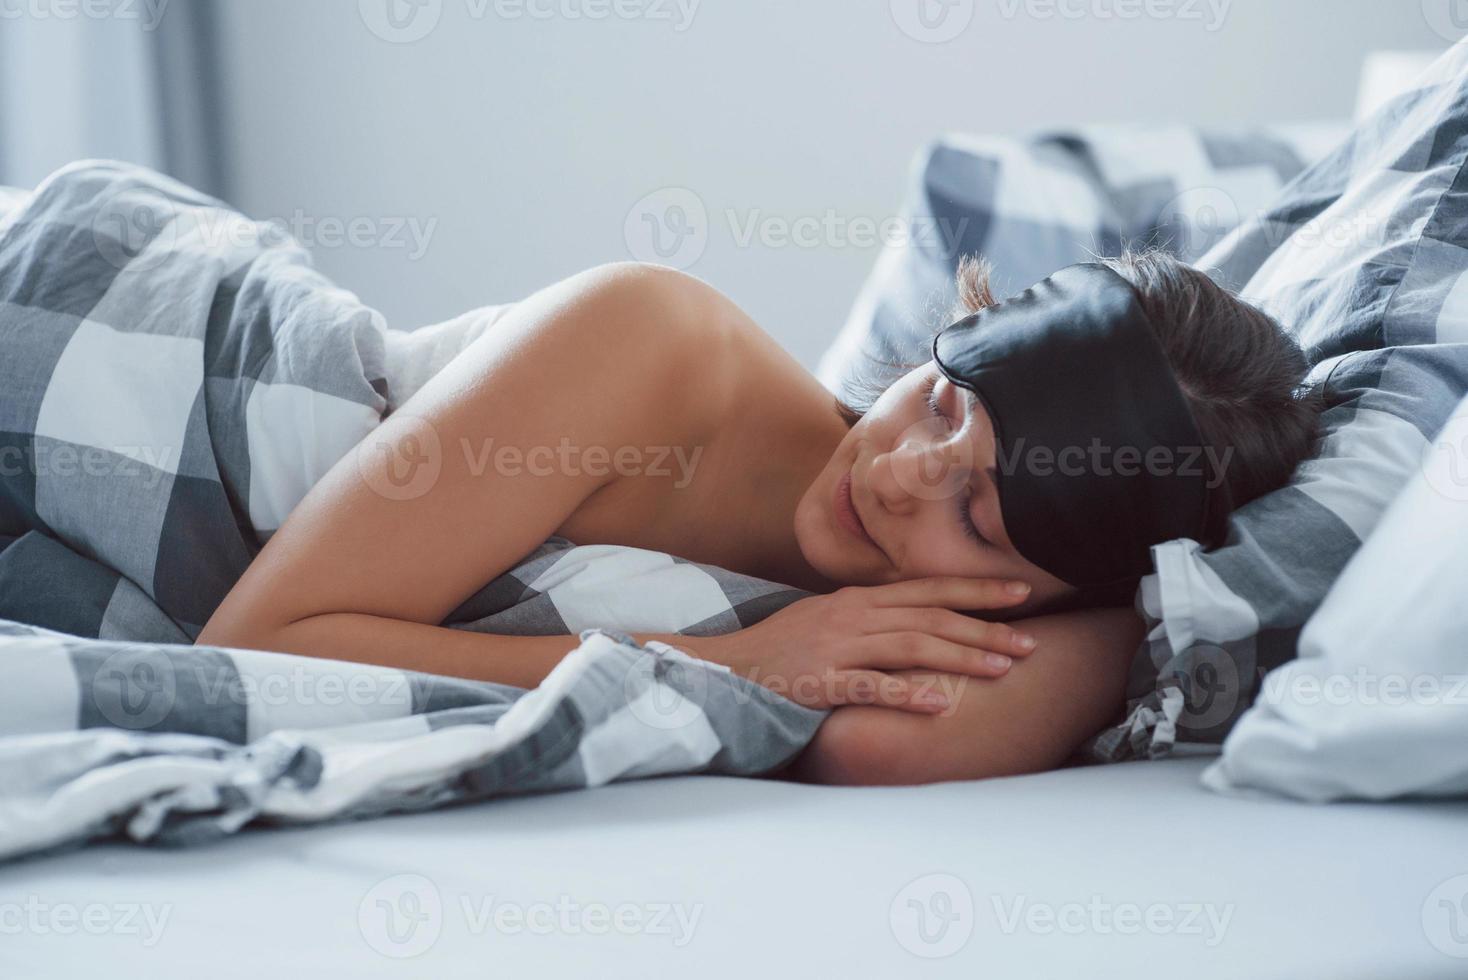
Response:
column 137, row 80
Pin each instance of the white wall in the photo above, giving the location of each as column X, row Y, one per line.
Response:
column 528, row 139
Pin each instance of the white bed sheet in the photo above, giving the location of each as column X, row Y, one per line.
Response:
column 785, row 880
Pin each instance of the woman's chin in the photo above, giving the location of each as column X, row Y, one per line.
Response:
column 827, row 547
column 820, row 549
column 840, row 566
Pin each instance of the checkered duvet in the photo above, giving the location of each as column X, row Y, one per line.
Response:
column 175, row 378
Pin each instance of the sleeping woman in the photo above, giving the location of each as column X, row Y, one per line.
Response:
column 973, row 535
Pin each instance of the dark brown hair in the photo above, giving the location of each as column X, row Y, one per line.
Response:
column 1240, row 372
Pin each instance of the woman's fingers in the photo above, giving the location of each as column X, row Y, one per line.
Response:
column 953, row 593
column 906, row 650
column 883, row 690
column 949, row 625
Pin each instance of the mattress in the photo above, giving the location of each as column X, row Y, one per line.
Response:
column 1129, row 871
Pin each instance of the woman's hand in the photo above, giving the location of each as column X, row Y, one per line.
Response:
column 1033, row 719
column 842, row 648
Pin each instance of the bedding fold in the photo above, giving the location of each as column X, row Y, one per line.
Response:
column 182, row 745
column 176, row 378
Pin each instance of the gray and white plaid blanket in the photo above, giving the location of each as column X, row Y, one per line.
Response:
column 175, row 377
column 177, row 745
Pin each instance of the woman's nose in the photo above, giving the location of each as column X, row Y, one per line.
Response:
column 921, row 466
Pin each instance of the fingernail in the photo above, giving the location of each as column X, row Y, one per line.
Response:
column 933, row 700
column 998, row 661
column 1024, row 641
column 1018, row 588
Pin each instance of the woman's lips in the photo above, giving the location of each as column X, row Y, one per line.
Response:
column 846, row 514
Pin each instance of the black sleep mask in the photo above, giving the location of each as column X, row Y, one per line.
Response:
column 1099, row 457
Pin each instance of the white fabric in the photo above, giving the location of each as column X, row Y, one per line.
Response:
column 414, row 356
column 772, row 879
column 1377, row 705
column 591, row 586
column 1357, row 470
column 295, row 436
column 99, row 368
column 1189, row 600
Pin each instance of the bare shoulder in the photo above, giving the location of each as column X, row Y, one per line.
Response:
column 642, row 307
column 600, row 335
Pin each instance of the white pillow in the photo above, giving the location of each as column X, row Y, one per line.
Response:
column 1377, row 704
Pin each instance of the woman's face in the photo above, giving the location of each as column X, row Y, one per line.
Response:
column 910, row 493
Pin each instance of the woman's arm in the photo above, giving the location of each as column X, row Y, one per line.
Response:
column 1033, row 718
column 376, row 556
column 369, row 563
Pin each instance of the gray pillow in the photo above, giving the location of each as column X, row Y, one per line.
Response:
column 1365, row 257
column 1031, row 206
